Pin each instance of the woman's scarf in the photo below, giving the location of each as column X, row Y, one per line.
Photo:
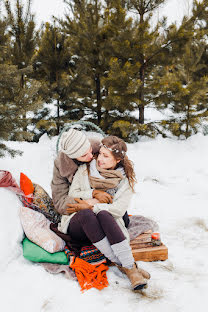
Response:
column 104, row 179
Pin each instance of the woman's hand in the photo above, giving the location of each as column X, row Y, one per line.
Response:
column 102, row 197
column 81, row 204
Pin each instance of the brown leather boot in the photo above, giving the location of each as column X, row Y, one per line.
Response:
column 144, row 273
column 135, row 277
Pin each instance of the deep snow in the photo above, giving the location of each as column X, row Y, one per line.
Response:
column 172, row 189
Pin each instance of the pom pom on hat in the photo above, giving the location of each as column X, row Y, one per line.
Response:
column 74, row 143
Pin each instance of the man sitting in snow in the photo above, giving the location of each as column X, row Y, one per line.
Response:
column 76, row 149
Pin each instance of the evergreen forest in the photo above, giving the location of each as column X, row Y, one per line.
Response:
column 106, row 62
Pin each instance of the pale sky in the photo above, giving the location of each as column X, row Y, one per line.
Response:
column 45, row 9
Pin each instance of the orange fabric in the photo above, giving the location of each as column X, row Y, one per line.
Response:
column 155, row 236
column 89, row 275
column 26, row 186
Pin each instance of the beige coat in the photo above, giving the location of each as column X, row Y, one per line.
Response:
column 80, row 188
column 63, row 172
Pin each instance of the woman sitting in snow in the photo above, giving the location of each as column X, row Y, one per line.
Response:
column 102, row 224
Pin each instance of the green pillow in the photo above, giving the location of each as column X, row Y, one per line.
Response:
column 35, row 253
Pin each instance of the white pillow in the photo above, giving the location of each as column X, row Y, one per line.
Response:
column 37, row 229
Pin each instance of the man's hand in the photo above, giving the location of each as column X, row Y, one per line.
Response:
column 81, row 204
column 102, row 197
column 92, row 201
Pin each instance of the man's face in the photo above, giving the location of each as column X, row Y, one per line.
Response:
column 87, row 157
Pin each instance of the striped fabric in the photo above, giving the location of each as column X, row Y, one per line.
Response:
column 89, row 254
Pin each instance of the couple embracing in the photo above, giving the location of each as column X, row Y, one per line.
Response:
column 92, row 186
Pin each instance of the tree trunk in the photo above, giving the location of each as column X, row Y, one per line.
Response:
column 58, row 118
column 22, row 81
column 141, row 96
column 98, row 94
column 187, row 122
column 22, row 85
column 24, row 122
column 141, row 76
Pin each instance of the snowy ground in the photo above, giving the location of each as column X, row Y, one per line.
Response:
column 172, row 189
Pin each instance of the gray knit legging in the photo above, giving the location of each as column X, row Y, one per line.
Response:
column 86, row 226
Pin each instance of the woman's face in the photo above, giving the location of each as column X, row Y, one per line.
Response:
column 106, row 160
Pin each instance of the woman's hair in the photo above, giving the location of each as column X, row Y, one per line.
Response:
column 118, row 148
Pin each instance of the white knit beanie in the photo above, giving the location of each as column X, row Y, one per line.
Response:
column 74, row 143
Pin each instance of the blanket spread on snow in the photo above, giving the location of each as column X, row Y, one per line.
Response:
column 138, row 224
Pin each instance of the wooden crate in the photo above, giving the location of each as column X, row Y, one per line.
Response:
column 144, row 249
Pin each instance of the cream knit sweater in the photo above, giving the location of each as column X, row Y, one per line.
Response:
column 80, row 188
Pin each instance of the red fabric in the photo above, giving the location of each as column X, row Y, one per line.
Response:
column 6, row 180
column 26, row 186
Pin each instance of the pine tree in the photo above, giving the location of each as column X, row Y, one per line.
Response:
column 151, row 49
column 23, row 33
column 120, row 60
column 54, row 68
column 4, row 38
column 86, row 29
column 120, row 83
column 202, row 24
column 9, row 84
column 128, row 80
column 136, row 50
column 187, row 96
column 21, row 28
column 146, row 45
column 183, row 91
